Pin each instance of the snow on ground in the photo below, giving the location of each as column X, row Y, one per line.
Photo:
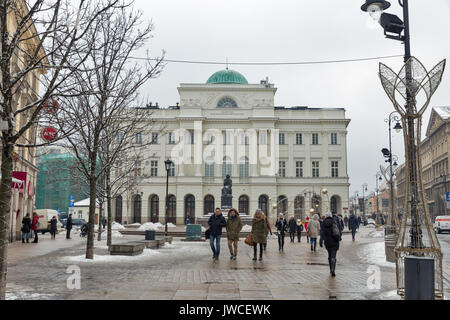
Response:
column 376, row 234
column 246, row 228
column 117, row 226
column 116, row 234
column 148, row 226
column 374, row 253
column 109, row 258
column 134, row 224
column 171, row 225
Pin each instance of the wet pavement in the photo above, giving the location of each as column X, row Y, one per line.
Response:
column 185, row 270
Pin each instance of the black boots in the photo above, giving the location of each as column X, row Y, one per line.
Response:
column 332, row 267
column 23, row 240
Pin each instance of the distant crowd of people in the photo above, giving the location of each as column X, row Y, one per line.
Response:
column 327, row 228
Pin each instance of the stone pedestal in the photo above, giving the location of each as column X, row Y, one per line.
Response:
column 226, row 203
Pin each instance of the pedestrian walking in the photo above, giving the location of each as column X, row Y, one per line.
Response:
column 353, row 225
column 299, row 230
column 321, row 231
column 26, row 227
column 359, row 221
column 281, row 226
column 339, row 221
column 188, row 219
column 268, row 230
column 259, row 233
column 314, row 231
column 292, row 228
column 234, row 226
column 346, row 221
column 53, row 227
column 34, row 226
column 216, row 222
column 332, row 236
column 104, row 222
column 306, row 229
column 69, row 225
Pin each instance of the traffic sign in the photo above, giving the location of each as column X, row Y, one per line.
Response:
column 447, row 196
column 71, row 201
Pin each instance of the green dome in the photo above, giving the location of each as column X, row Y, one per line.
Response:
column 227, row 76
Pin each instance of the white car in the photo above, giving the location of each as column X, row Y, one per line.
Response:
column 442, row 223
column 371, row 221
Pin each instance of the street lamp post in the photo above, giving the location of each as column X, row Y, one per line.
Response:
column 377, row 177
column 168, row 164
column 364, row 188
column 408, row 83
column 392, row 219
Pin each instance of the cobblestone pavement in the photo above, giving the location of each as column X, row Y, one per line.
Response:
column 185, row 270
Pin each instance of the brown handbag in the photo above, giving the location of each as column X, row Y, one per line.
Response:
column 249, row 240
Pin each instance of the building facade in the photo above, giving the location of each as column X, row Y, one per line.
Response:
column 279, row 158
column 434, row 156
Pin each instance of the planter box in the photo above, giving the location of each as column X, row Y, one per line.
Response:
column 127, row 249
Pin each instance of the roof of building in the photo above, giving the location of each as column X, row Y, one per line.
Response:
column 84, row 203
column 227, row 76
column 443, row 112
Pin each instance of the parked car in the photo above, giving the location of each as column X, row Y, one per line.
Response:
column 442, row 223
column 75, row 222
column 371, row 222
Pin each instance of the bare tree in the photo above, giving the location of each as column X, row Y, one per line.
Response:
column 110, row 80
column 36, row 37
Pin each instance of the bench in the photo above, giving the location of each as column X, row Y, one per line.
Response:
column 126, row 249
column 150, row 244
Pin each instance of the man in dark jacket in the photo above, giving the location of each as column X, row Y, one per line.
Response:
column 69, row 226
column 346, row 221
column 216, row 222
column 331, row 240
column 353, row 225
column 299, row 230
column 292, row 228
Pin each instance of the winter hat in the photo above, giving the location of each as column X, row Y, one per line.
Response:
column 328, row 215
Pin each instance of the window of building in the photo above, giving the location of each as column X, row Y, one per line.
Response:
column 334, row 138
column 226, row 166
column 315, row 138
column 172, row 169
column 281, row 138
column 227, row 138
column 244, row 138
column 262, row 138
column 138, row 138
column 154, row 137
column 243, row 167
column 243, row 204
column 209, row 167
column 298, row 138
column 137, row 168
column 299, row 169
column 154, row 168
column 315, row 169
column 282, row 168
column 226, row 103
column 191, row 137
column 171, row 137
column 334, row 169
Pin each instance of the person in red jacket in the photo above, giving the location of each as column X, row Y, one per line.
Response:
column 34, row 226
column 306, row 229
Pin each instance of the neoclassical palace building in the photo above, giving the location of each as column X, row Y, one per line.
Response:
column 279, row 158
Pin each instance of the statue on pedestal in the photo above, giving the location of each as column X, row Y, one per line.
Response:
column 226, row 193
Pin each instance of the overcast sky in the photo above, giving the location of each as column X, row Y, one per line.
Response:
column 301, row 30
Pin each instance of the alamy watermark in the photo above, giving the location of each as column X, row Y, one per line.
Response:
column 374, row 279
column 74, row 280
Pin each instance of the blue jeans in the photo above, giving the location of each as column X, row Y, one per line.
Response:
column 216, row 249
column 25, row 235
column 313, row 241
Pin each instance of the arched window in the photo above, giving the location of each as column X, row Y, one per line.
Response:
column 118, row 216
column 208, row 204
column 299, row 207
column 154, row 208
column 226, row 102
column 263, row 201
column 209, row 167
column 243, row 167
column 243, row 204
column 282, row 205
column 316, row 203
column 189, row 208
column 172, row 209
column 335, row 204
column 226, row 166
column 137, row 206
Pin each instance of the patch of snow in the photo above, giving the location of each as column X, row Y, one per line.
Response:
column 117, row 226
column 171, row 225
column 246, row 228
column 109, row 258
column 376, row 234
column 374, row 253
column 148, row 226
column 169, row 246
column 134, row 224
column 116, row 234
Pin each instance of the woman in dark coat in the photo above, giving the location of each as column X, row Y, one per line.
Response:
column 292, row 228
column 331, row 240
column 259, row 233
column 26, row 227
column 281, row 226
column 53, row 227
column 353, row 225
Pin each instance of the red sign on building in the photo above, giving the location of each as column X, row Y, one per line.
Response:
column 22, row 176
column 49, row 134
